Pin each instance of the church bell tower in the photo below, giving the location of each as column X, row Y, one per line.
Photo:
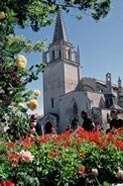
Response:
column 62, row 72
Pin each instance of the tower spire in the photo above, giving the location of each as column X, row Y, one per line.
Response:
column 60, row 33
column 119, row 83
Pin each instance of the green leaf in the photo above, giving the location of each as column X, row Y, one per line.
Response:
column 105, row 184
column 15, row 47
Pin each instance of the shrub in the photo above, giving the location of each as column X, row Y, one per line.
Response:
column 77, row 158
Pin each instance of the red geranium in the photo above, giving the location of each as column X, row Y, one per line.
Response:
column 7, row 183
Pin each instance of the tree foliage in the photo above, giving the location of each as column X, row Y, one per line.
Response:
column 39, row 13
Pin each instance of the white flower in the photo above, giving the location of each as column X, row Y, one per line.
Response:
column 120, row 174
column 26, row 155
column 21, row 61
column 94, row 172
column 2, row 15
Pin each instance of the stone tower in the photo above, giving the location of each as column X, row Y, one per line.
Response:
column 62, row 73
column 120, row 93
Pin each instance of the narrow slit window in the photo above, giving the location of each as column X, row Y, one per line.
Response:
column 59, row 54
column 69, row 54
column 53, row 54
column 52, row 102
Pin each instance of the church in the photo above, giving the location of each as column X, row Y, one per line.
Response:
column 66, row 93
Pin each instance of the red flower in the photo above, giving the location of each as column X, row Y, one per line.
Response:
column 81, row 154
column 118, row 144
column 94, row 137
column 7, row 183
column 14, row 158
column 54, row 153
column 65, row 135
column 103, row 145
column 78, row 140
column 110, row 138
column 57, row 139
column 119, row 131
column 11, row 145
column 82, row 170
column 43, row 139
column 27, row 142
column 67, row 143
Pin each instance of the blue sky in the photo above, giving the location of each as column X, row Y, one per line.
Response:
column 100, row 43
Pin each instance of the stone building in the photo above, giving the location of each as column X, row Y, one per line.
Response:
column 66, row 93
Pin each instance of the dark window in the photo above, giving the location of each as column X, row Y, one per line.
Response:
column 48, row 128
column 52, row 102
column 69, row 54
column 107, row 103
column 59, row 53
column 111, row 101
column 53, row 53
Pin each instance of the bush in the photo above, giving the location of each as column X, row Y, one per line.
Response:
column 77, row 158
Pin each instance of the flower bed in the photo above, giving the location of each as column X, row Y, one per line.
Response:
column 72, row 158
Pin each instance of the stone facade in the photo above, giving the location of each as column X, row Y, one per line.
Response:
column 66, row 94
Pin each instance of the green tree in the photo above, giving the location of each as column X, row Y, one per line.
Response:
column 14, row 77
column 39, row 13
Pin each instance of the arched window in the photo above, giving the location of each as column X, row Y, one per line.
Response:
column 108, row 78
column 48, row 128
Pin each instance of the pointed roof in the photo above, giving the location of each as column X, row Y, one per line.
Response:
column 60, row 33
column 119, row 80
